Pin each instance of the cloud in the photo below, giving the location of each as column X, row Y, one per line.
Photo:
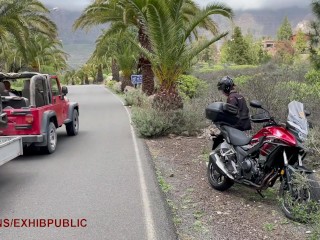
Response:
column 67, row 4
column 234, row 4
column 259, row 4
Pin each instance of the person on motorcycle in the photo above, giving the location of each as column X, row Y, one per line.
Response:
column 226, row 85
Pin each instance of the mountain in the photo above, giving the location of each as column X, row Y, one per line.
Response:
column 267, row 22
column 260, row 23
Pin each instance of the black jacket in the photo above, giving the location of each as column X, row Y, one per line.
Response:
column 238, row 100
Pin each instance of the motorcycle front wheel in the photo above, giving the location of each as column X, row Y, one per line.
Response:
column 216, row 179
column 303, row 199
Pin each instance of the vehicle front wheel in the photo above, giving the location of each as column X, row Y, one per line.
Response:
column 73, row 126
column 303, row 199
column 51, row 139
column 216, row 179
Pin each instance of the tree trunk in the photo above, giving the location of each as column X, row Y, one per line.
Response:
column 115, row 70
column 126, row 81
column 167, row 99
column 99, row 78
column 145, row 65
column 86, row 79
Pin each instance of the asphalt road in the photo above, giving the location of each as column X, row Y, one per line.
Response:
column 98, row 176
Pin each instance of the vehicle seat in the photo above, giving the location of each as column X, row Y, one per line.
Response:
column 39, row 94
column 236, row 137
column 26, row 89
column 3, row 90
column 15, row 102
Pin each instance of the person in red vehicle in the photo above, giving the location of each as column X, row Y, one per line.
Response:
column 11, row 92
column 226, row 85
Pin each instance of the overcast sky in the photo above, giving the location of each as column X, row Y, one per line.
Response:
column 235, row 4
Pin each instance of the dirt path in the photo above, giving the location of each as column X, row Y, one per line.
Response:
column 203, row 213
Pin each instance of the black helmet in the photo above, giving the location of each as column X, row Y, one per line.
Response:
column 225, row 84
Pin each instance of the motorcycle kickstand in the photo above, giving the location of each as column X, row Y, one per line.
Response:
column 261, row 195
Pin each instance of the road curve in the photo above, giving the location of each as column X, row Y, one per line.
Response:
column 95, row 176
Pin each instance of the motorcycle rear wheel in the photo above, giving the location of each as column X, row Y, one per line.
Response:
column 216, row 179
column 301, row 201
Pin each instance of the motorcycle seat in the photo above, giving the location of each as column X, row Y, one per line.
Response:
column 237, row 137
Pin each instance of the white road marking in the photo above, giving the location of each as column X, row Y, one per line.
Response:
column 145, row 198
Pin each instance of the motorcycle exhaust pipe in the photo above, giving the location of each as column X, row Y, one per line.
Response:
column 217, row 161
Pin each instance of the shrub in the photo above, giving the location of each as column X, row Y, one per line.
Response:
column 241, row 80
column 190, row 86
column 110, row 84
column 313, row 143
column 152, row 123
column 313, row 76
column 193, row 117
column 136, row 98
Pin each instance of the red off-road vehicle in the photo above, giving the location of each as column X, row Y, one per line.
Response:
column 36, row 110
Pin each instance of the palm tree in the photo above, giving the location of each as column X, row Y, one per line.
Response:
column 44, row 51
column 171, row 52
column 124, row 13
column 119, row 48
column 70, row 76
column 20, row 18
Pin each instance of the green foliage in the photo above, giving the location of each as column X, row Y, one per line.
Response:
column 190, row 86
column 110, row 84
column 170, row 53
column 166, row 187
column 150, row 122
column 225, row 53
column 313, row 143
column 241, row 80
column 239, row 48
column 136, row 98
column 114, row 86
column 301, row 43
column 153, row 123
column 315, row 36
column 209, row 54
column 243, row 50
column 284, row 53
column 313, row 76
column 285, row 30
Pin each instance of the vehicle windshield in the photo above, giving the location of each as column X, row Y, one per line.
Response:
column 297, row 118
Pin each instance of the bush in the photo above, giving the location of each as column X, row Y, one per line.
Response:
column 110, row 84
column 313, row 143
column 136, row 98
column 313, row 76
column 190, row 86
column 150, row 122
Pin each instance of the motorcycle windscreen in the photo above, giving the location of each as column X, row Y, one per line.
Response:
column 297, row 118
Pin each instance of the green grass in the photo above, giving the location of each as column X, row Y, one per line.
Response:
column 269, row 227
column 207, row 68
column 163, row 184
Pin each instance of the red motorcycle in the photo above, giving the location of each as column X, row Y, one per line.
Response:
column 275, row 152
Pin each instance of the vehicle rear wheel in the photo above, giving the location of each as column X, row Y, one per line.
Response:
column 51, row 139
column 216, row 179
column 297, row 205
column 73, row 126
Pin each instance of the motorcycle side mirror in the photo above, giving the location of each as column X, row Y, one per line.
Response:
column 307, row 113
column 256, row 104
